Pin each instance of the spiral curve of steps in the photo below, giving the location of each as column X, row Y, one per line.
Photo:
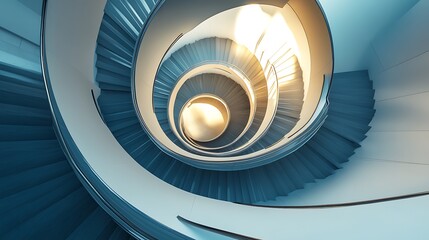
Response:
column 317, row 159
column 41, row 196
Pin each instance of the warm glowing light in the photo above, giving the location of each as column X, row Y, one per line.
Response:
column 250, row 24
column 287, row 78
column 277, row 36
column 205, row 118
column 269, row 38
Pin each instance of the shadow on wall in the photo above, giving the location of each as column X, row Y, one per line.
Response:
column 352, row 34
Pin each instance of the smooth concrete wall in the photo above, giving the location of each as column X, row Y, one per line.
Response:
column 70, row 48
column 394, row 159
column 20, row 35
column 18, row 51
column 394, row 220
column 403, row 41
column 354, row 24
column 400, row 71
column 27, row 24
column 66, row 57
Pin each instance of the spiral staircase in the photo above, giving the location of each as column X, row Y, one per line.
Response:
column 40, row 194
column 287, row 127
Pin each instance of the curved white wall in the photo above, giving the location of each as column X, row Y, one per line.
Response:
column 354, row 24
column 70, row 40
column 394, row 159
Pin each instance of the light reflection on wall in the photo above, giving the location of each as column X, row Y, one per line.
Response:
column 205, row 118
column 264, row 34
column 250, row 24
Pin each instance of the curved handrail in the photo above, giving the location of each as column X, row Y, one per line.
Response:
column 329, row 206
column 141, row 226
column 249, row 91
column 274, row 152
column 219, row 62
column 172, row 121
column 159, row 66
column 264, row 156
column 273, row 90
column 345, row 204
column 245, row 78
column 101, row 192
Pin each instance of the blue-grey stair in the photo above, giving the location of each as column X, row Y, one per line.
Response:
column 317, row 159
column 120, row 28
column 291, row 96
column 40, row 196
column 351, row 105
column 205, row 51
